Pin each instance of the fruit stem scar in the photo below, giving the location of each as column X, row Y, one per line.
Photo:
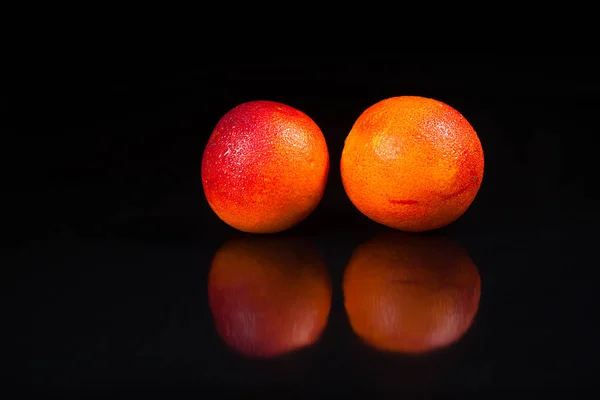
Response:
column 403, row 201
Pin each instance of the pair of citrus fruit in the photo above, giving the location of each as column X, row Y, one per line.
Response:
column 410, row 163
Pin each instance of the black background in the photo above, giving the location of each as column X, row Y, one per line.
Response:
column 111, row 238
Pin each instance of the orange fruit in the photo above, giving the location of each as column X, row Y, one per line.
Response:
column 412, row 163
column 269, row 296
column 410, row 294
column 265, row 167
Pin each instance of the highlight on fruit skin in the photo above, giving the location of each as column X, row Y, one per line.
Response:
column 265, row 167
column 269, row 295
column 410, row 294
column 412, row 163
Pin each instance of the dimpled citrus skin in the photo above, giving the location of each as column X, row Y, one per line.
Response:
column 412, row 163
column 265, row 167
column 269, row 295
column 410, row 294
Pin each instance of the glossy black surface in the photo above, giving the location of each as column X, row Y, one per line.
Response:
column 113, row 240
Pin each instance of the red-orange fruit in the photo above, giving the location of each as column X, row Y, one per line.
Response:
column 265, row 167
column 410, row 294
column 268, row 295
column 412, row 163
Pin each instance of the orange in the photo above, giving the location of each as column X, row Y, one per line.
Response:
column 265, row 167
column 410, row 294
column 412, row 163
column 268, row 295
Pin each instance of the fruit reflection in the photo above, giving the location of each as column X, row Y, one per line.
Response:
column 269, row 295
column 410, row 294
